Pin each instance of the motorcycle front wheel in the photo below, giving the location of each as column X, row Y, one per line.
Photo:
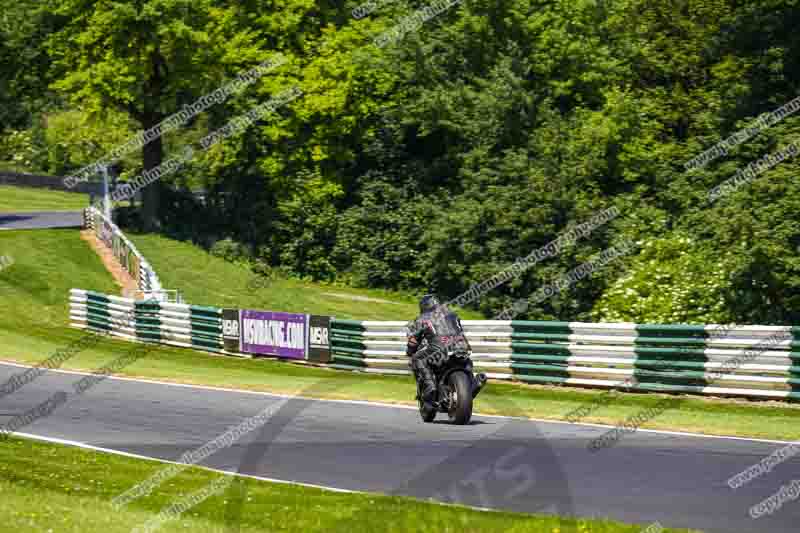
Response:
column 460, row 404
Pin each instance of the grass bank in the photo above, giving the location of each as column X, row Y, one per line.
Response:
column 204, row 279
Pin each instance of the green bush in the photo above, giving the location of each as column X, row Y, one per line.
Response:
column 230, row 250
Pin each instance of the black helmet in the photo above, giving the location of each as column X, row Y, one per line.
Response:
column 429, row 302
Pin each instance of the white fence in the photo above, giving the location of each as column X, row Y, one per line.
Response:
column 125, row 252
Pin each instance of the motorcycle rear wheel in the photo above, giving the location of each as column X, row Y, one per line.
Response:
column 460, row 408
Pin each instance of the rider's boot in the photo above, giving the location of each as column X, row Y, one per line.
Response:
column 428, row 386
column 425, row 378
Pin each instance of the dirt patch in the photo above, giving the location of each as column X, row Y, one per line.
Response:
column 128, row 286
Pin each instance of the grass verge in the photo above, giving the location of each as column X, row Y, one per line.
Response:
column 25, row 199
column 51, row 487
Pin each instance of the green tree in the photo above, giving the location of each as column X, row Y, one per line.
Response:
column 25, row 68
column 147, row 58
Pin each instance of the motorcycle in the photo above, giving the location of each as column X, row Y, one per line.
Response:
column 456, row 387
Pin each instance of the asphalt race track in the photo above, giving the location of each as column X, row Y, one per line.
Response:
column 502, row 463
column 41, row 220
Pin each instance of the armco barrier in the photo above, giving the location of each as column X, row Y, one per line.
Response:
column 381, row 346
column 123, row 249
column 189, row 326
column 753, row 361
column 745, row 361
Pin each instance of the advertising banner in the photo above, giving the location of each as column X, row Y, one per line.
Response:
column 231, row 337
column 271, row 333
column 319, row 339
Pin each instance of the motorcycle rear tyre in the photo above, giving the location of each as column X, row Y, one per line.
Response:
column 460, row 412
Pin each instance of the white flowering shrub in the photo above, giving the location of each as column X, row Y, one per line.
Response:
column 672, row 280
column 19, row 150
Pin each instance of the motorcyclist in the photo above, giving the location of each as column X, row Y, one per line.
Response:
column 432, row 337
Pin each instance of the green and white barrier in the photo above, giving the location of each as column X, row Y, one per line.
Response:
column 188, row 326
column 745, row 361
column 753, row 361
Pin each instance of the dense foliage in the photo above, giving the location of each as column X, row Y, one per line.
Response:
column 435, row 161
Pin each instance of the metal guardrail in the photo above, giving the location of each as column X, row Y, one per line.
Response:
column 124, row 250
column 749, row 361
column 164, row 295
column 188, row 326
column 715, row 360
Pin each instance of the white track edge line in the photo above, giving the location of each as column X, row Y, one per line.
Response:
column 400, row 406
column 85, row 446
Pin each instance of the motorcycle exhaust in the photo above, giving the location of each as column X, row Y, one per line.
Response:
column 480, row 381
